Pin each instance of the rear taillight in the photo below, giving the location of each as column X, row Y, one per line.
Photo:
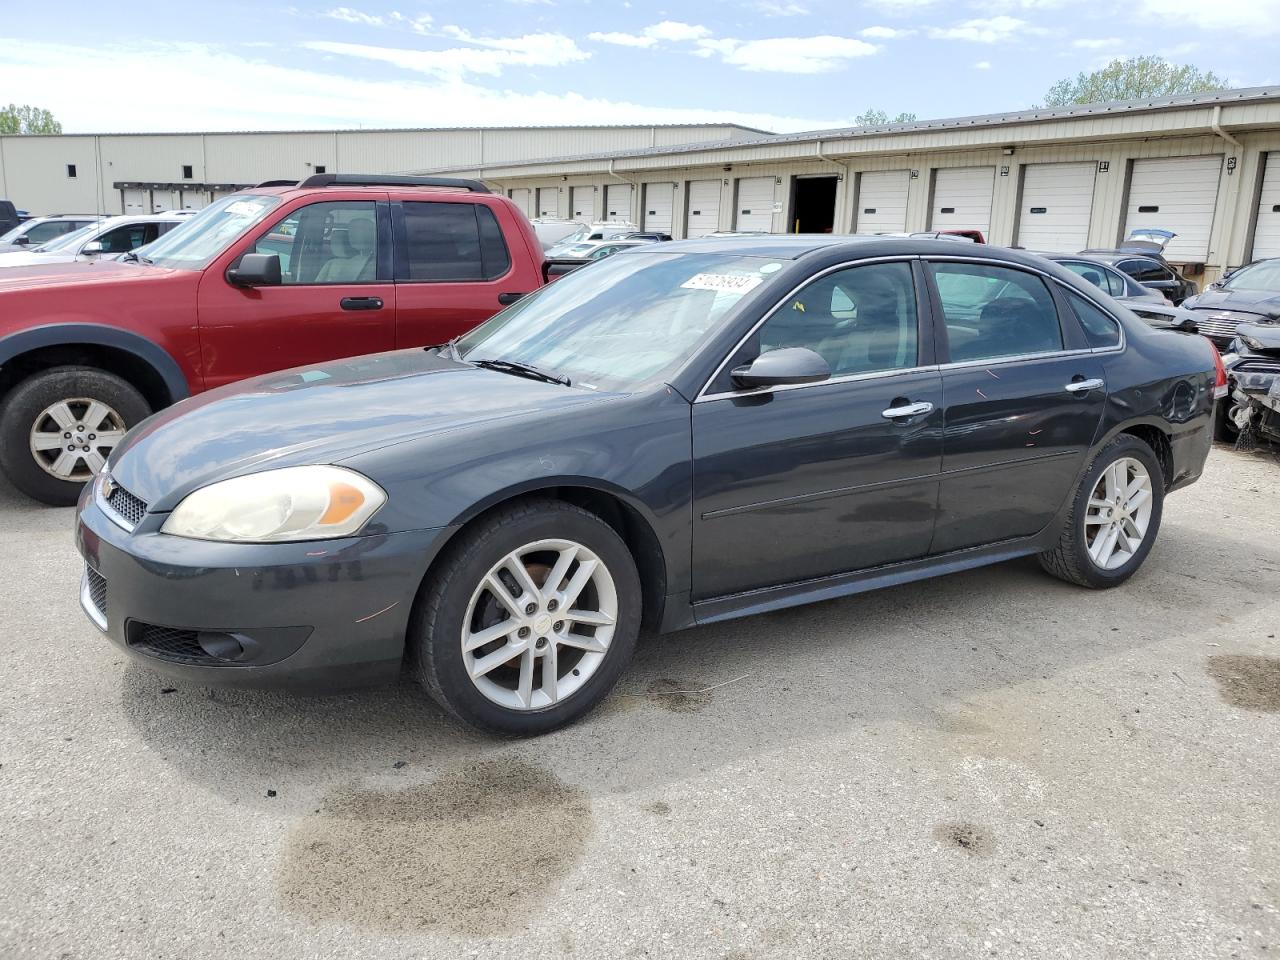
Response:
column 1220, row 372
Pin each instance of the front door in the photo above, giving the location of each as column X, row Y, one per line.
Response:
column 793, row 483
column 1023, row 398
column 335, row 300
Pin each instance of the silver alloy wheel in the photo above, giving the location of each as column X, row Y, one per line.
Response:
column 539, row 624
column 1119, row 512
column 72, row 438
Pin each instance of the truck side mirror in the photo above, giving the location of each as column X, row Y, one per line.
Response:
column 256, row 270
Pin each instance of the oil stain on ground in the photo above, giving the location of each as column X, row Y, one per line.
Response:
column 969, row 837
column 474, row 852
column 1248, row 682
column 678, row 696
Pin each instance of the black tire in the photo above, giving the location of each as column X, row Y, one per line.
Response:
column 435, row 629
column 1224, row 428
column 1070, row 559
column 23, row 404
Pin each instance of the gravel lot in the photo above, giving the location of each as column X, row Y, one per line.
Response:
column 989, row 764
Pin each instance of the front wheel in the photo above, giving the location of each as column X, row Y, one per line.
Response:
column 528, row 620
column 58, row 426
column 1114, row 517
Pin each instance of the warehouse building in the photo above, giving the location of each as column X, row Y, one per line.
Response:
column 1204, row 166
column 145, row 173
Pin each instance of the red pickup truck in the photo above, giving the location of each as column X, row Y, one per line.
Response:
column 278, row 276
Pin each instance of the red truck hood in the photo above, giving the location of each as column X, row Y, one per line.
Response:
column 79, row 273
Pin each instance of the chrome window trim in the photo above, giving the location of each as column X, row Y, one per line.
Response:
column 702, row 394
column 847, row 378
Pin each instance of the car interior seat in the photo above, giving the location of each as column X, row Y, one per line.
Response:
column 354, row 257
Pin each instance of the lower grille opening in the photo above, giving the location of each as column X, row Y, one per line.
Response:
column 97, row 589
column 202, row 647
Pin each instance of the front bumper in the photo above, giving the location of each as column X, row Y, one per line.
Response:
column 320, row 615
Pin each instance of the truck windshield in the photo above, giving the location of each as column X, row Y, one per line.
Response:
column 193, row 244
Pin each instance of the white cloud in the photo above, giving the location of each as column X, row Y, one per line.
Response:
column 781, row 8
column 208, row 88
column 349, row 15
column 488, row 56
column 988, row 30
column 668, row 31
column 982, row 65
column 1100, row 43
column 788, row 54
column 1244, row 17
column 419, row 24
column 902, row 6
column 884, row 33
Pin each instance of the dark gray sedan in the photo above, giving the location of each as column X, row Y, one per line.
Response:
column 684, row 433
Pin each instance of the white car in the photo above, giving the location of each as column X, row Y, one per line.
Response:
column 107, row 239
column 600, row 230
column 41, row 230
column 597, row 249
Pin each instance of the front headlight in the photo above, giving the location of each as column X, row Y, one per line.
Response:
column 294, row 503
column 1252, row 343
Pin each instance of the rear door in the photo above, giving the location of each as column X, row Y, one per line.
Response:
column 807, row 481
column 1023, row 397
column 453, row 267
column 335, row 300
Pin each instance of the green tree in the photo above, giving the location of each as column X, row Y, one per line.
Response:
column 876, row 118
column 1132, row 79
column 27, row 119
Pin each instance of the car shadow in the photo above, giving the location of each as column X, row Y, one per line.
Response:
column 926, row 654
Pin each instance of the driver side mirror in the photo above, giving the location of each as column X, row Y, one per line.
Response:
column 22, row 241
column 776, row 368
column 93, row 248
column 256, row 270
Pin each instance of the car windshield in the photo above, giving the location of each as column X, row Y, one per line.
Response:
column 15, row 232
column 65, row 241
column 1261, row 276
column 197, row 240
column 621, row 323
column 558, row 248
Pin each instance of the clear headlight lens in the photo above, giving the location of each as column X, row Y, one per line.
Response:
column 295, row 503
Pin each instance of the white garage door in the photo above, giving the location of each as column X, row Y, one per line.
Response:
column 1266, row 237
column 1057, row 200
column 882, row 201
column 617, row 201
column 194, row 199
column 659, row 202
column 703, row 199
column 548, row 201
column 136, row 201
column 962, row 198
column 582, row 203
column 755, row 204
column 520, row 196
column 1178, row 194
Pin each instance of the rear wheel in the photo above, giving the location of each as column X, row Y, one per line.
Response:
column 1114, row 517
column 58, row 426
column 1225, row 429
column 529, row 620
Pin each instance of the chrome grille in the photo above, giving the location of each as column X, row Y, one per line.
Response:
column 1258, row 365
column 97, row 589
column 125, row 505
column 1222, row 324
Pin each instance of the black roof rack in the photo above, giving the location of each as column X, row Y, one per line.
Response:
column 389, row 180
column 277, row 183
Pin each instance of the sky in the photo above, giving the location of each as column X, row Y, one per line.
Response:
column 779, row 65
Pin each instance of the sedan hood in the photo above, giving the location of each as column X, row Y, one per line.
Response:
column 1242, row 301
column 1264, row 333
column 322, row 414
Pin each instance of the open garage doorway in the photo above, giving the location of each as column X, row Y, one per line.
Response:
column 813, row 204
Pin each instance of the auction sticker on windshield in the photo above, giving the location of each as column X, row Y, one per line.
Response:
column 736, row 283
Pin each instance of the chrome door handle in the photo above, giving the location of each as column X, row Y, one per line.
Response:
column 910, row 410
column 1084, row 386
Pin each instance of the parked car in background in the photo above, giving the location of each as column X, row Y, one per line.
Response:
column 641, row 235
column 273, row 277
column 684, row 433
column 1103, row 275
column 1141, row 256
column 599, row 230
column 1253, row 378
column 106, row 239
column 599, row 249
column 8, row 216
column 552, row 230
column 37, row 231
column 1248, row 295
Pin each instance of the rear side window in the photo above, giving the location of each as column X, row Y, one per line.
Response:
column 1144, row 271
column 453, row 241
column 1100, row 277
column 1100, row 328
column 993, row 312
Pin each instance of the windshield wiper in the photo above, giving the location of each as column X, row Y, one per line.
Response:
column 132, row 257
column 522, row 370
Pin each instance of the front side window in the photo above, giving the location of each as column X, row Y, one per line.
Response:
column 1101, row 329
column 126, row 238
column 993, row 312
column 860, row 320
column 453, row 241
column 330, row 242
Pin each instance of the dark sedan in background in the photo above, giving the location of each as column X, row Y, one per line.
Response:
column 1249, row 295
column 1103, row 275
column 684, row 433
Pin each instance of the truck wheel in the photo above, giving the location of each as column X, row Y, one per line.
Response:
column 58, row 426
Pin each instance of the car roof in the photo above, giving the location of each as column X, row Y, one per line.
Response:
column 1086, row 257
column 796, row 245
column 1115, row 256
